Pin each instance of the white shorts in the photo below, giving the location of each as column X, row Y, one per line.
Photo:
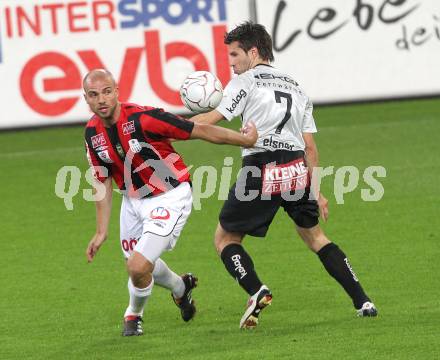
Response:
column 152, row 225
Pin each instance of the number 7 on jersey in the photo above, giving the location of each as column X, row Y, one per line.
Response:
column 278, row 96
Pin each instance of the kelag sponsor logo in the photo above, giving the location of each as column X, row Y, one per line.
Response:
column 235, row 101
column 49, row 95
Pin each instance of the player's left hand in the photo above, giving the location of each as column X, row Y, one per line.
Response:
column 323, row 207
column 250, row 131
column 94, row 246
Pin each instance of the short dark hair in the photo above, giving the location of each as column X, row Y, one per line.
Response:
column 249, row 34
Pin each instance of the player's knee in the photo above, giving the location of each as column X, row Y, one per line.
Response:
column 317, row 242
column 224, row 238
column 221, row 243
column 139, row 271
column 314, row 238
column 218, row 243
column 320, row 241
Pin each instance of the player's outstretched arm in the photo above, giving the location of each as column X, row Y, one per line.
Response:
column 103, row 212
column 212, row 117
column 219, row 135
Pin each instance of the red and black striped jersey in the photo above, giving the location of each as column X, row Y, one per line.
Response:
column 136, row 150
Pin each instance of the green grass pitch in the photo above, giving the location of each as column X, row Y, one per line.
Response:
column 56, row 306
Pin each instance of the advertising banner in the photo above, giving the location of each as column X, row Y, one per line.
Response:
column 47, row 46
column 350, row 50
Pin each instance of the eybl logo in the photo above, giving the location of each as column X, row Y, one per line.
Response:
column 157, row 52
column 58, row 94
column 142, row 12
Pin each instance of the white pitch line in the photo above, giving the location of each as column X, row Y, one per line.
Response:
column 40, row 152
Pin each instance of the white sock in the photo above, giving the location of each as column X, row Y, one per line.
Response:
column 138, row 299
column 163, row 276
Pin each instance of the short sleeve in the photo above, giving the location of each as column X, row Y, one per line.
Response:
column 308, row 120
column 167, row 125
column 235, row 97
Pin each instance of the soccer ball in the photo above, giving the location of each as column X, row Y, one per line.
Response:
column 201, row 91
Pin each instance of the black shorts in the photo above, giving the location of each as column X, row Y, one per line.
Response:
column 258, row 193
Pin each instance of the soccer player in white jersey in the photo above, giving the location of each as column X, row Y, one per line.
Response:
column 276, row 171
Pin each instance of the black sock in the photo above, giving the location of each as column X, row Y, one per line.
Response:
column 239, row 264
column 337, row 265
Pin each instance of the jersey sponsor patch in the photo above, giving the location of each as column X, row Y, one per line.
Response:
column 277, row 144
column 128, row 128
column 135, row 146
column 98, row 140
column 162, row 221
column 105, row 156
column 235, row 101
column 285, row 177
column 101, row 148
column 160, row 213
column 268, row 76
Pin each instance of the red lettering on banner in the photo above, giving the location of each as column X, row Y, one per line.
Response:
column 221, row 54
column 155, row 69
column 178, row 49
column 53, row 15
column 71, row 81
column 72, row 16
column 79, row 16
column 23, row 17
column 104, row 15
column 129, row 70
column 8, row 22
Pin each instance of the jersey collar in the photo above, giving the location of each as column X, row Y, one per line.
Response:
column 264, row 65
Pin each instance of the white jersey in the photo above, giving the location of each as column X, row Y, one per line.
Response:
column 275, row 103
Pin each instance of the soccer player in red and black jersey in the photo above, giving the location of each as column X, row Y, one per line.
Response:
column 131, row 144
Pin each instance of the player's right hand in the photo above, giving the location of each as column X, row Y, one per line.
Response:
column 94, row 245
column 250, row 131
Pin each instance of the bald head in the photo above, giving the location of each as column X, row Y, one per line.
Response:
column 98, row 75
column 101, row 94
